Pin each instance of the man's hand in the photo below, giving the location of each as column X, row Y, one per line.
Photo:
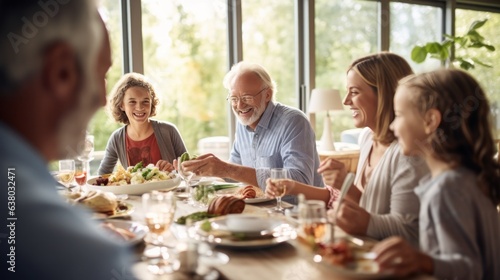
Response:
column 206, row 165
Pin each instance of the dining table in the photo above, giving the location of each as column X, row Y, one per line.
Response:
column 287, row 260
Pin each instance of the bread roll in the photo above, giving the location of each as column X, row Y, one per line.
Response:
column 224, row 205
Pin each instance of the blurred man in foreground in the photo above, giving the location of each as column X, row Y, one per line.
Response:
column 53, row 61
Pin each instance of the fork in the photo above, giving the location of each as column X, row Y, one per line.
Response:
column 345, row 187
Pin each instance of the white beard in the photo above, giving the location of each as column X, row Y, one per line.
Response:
column 257, row 113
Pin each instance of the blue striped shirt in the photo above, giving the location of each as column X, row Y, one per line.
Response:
column 285, row 135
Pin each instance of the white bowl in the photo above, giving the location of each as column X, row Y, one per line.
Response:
column 247, row 223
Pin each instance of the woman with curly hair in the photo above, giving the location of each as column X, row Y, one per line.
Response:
column 133, row 102
column 444, row 117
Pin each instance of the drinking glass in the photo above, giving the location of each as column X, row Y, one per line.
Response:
column 88, row 149
column 186, row 177
column 66, row 172
column 312, row 217
column 159, row 210
column 81, row 172
column 276, row 175
column 263, row 170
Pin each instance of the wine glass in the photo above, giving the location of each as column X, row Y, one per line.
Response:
column 263, row 170
column 88, row 149
column 186, row 177
column 159, row 210
column 66, row 172
column 81, row 172
column 276, row 175
column 313, row 221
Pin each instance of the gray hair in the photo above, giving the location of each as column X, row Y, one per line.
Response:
column 28, row 27
column 243, row 67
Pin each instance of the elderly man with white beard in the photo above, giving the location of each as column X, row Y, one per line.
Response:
column 53, row 61
column 266, row 128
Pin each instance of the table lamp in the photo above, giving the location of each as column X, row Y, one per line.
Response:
column 325, row 100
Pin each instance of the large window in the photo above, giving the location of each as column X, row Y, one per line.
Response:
column 185, row 56
column 407, row 23
column 488, row 77
column 344, row 31
column 268, row 39
column 185, row 51
column 102, row 125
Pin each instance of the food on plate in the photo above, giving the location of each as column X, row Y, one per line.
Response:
column 137, row 174
column 224, row 205
column 250, row 192
column 195, row 217
column 337, row 253
column 98, row 201
column 120, row 233
column 203, row 193
column 185, row 157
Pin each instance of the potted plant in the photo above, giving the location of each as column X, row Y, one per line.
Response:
column 462, row 44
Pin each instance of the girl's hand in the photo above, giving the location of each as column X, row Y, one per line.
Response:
column 397, row 256
column 164, row 165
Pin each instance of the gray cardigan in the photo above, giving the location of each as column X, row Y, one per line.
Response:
column 168, row 137
column 389, row 195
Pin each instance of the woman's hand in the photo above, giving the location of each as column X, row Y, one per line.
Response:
column 397, row 256
column 351, row 217
column 333, row 172
column 274, row 185
column 164, row 165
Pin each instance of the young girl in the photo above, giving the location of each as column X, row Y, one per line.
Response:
column 133, row 101
column 443, row 116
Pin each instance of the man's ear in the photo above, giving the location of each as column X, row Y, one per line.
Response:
column 61, row 73
column 432, row 120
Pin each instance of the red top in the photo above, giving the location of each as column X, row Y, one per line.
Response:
column 145, row 150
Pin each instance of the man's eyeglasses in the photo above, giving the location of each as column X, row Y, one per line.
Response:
column 247, row 99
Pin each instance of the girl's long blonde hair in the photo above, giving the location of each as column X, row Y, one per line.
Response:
column 464, row 135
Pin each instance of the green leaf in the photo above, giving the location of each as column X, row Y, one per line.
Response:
column 465, row 64
column 418, row 54
column 433, row 47
column 477, row 61
column 477, row 24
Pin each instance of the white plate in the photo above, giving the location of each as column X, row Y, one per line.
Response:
column 137, row 188
column 280, row 230
column 138, row 229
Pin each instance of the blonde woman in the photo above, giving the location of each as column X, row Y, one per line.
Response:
column 381, row 202
column 133, row 102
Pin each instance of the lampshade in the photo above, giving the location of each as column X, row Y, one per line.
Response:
column 325, row 100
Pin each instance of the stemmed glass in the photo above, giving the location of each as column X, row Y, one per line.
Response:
column 81, row 173
column 66, row 172
column 262, row 170
column 276, row 175
column 186, row 177
column 159, row 210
